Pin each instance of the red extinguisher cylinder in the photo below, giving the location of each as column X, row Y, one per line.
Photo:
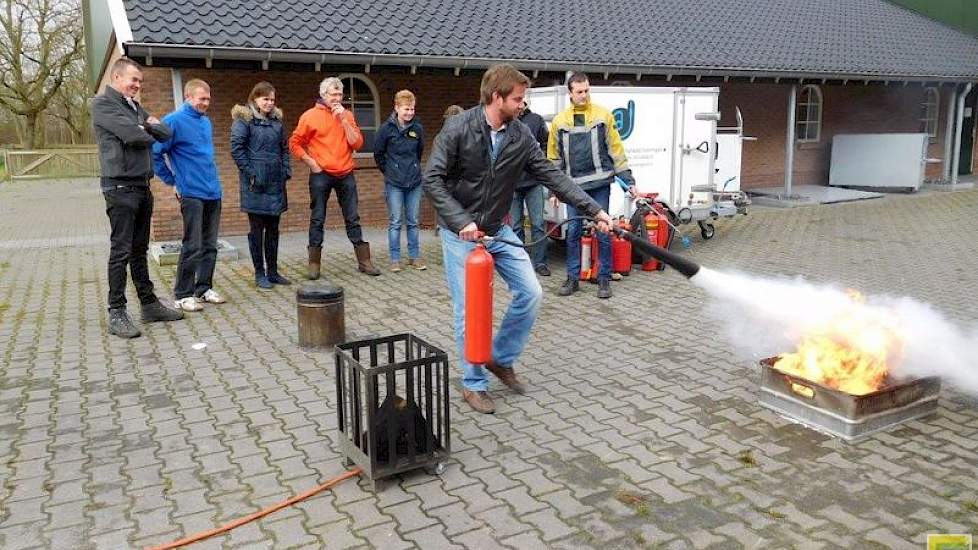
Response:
column 654, row 228
column 588, row 244
column 479, row 267
column 621, row 255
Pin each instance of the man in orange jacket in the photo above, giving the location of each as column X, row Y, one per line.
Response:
column 325, row 139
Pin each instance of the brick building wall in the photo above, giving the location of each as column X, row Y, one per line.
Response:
column 295, row 93
column 851, row 108
column 846, row 109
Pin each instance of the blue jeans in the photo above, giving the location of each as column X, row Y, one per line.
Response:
column 403, row 204
column 601, row 195
column 534, row 197
column 514, row 266
column 198, row 253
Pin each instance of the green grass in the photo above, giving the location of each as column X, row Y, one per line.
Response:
column 771, row 512
column 747, row 459
column 635, row 502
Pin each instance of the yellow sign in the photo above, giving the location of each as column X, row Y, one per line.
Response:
column 949, row 542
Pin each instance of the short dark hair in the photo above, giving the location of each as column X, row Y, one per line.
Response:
column 262, row 89
column 119, row 66
column 576, row 77
column 501, row 79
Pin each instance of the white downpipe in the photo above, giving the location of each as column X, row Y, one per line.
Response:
column 949, row 133
column 956, row 156
column 789, row 147
column 176, row 77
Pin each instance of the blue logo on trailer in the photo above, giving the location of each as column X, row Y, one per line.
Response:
column 625, row 119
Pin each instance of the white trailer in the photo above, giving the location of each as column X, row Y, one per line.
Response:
column 670, row 139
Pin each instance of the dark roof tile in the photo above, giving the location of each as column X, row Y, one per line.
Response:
column 864, row 37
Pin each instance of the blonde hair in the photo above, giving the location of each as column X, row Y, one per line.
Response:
column 404, row 97
column 193, row 85
column 501, row 79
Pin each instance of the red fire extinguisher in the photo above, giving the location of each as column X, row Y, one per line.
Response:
column 621, row 250
column 479, row 267
column 653, row 227
column 588, row 266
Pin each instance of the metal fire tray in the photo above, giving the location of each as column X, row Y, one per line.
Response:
column 845, row 415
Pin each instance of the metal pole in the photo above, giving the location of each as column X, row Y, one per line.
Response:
column 949, row 133
column 789, row 146
column 956, row 158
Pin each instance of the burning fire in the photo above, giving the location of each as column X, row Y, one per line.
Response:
column 851, row 353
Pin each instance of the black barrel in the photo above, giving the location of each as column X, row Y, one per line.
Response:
column 322, row 322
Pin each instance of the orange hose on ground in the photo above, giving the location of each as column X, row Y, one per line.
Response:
column 259, row 514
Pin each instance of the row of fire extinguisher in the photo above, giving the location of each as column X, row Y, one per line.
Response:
column 658, row 229
column 479, row 267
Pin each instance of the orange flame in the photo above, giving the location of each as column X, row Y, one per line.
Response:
column 852, row 353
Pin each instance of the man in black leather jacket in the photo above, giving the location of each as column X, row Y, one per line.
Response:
column 125, row 132
column 477, row 159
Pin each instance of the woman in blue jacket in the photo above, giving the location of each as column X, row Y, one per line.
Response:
column 260, row 148
column 397, row 150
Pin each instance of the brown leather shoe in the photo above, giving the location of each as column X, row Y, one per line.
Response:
column 507, row 376
column 479, row 401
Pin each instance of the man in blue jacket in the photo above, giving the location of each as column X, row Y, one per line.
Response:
column 190, row 152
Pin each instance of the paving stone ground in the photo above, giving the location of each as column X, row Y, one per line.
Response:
column 641, row 429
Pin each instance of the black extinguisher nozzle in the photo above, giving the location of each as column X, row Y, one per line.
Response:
column 677, row 262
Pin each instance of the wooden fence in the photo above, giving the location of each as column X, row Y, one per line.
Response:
column 68, row 162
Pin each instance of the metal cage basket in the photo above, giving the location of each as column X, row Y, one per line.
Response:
column 392, row 405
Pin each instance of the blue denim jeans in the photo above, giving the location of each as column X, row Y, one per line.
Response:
column 403, row 204
column 602, row 196
column 534, row 197
column 514, row 266
column 198, row 253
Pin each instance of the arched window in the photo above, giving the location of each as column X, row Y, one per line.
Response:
column 808, row 115
column 928, row 113
column 361, row 95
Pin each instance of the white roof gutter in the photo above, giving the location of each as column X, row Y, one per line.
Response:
column 320, row 57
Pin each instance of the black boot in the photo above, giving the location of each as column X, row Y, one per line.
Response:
column 258, row 261
column 159, row 313
column 570, row 286
column 121, row 325
column 604, row 288
column 271, row 258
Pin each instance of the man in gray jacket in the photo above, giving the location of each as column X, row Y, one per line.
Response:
column 125, row 134
column 478, row 158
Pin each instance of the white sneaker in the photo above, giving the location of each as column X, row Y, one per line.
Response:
column 190, row 303
column 212, row 297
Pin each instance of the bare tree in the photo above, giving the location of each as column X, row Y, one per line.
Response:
column 40, row 40
column 70, row 105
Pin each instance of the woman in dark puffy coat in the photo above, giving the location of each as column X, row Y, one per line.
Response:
column 260, row 148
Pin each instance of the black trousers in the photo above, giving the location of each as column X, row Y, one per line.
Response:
column 320, row 187
column 198, row 253
column 263, row 243
column 129, row 210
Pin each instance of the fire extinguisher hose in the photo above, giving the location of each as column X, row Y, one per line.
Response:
column 546, row 236
column 259, row 514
